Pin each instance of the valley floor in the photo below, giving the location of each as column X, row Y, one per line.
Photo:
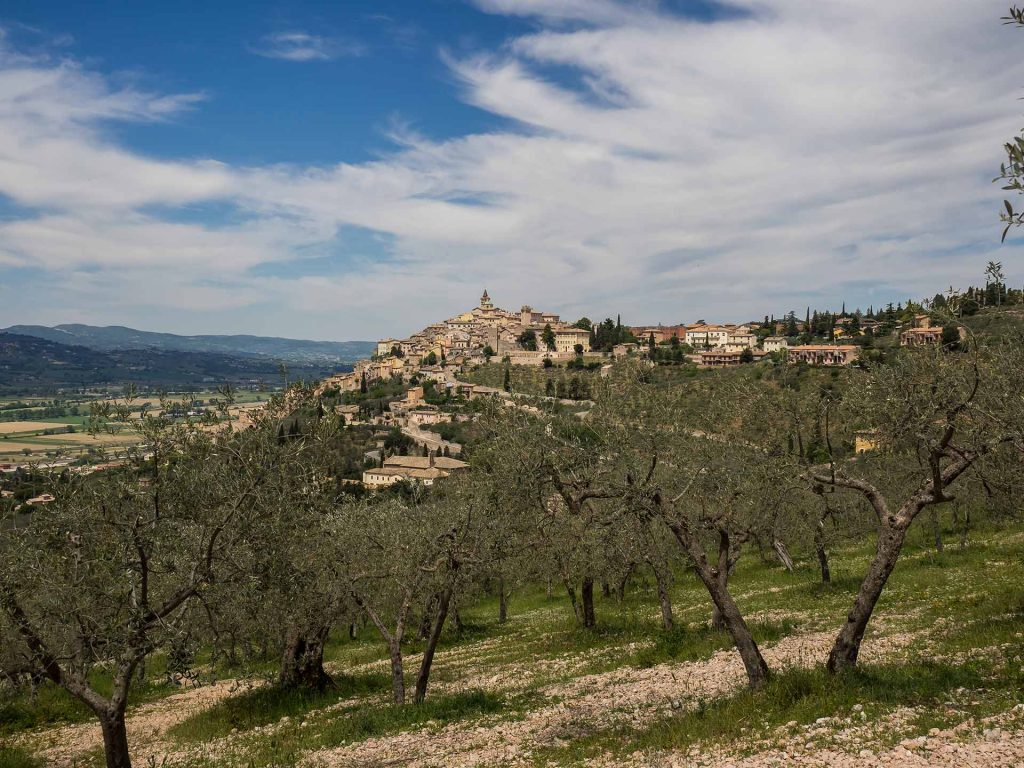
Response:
column 941, row 684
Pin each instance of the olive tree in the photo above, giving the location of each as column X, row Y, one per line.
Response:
column 104, row 576
column 551, row 473
column 394, row 556
column 704, row 487
column 935, row 415
column 291, row 597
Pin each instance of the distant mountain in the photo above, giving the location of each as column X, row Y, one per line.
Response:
column 115, row 337
column 29, row 364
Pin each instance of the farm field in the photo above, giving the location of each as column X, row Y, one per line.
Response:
column 13, row 427
column 940, row 683
column 24, row 439
column 67, row 445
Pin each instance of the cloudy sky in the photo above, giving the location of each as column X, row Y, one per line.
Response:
column 357, row 169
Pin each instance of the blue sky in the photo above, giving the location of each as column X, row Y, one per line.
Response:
column 259, row 109
column 358, row 169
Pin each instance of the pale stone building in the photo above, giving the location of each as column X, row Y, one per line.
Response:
column 823, row 354
column 566, row 339
column 423, row 470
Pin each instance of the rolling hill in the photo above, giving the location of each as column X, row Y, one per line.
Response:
column 29, row 364
column 118, row 338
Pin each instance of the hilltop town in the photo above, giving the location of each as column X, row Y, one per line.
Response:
column 533, row 338
column 413, row 390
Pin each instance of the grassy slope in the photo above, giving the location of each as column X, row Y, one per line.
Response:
column 967, row 609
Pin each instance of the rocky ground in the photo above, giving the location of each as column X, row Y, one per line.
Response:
column 566, row 697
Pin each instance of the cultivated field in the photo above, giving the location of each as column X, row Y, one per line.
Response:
column 940, row 684
column 12, row 427
column 17, row 437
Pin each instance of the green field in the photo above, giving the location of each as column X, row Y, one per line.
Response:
column 35, row 444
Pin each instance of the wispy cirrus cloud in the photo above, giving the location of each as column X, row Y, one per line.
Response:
column 790, row 153
column 296, row 45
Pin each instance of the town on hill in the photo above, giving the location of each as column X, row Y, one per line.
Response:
column 532, row 338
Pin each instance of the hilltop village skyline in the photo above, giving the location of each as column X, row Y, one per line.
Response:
column 531, row 337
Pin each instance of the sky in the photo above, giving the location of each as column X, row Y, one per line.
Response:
column 359, row 169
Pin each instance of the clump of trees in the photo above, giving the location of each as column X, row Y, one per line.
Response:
column 605, row 335
column 106, row 575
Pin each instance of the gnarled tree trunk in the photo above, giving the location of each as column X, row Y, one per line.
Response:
column 570, row 589
column 428, row 617
column 847, row 644
column 393, row 639
column 783, row 555
column 664, row 599
column 819, row 544
column 428, row 653
column 620, row 591
column 892, row 533
column 753, row 662
column 302, row 659
column 937, row 529
column 397, row 670
column 502, row 602
column 819, row 549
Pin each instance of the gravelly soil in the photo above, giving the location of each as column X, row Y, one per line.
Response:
column 581, row 705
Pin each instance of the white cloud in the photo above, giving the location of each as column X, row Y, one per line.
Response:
column 804, row 153
column 585, row 11
column 302, row 46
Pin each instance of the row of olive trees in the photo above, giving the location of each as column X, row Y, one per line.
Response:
column 229, row 538
column 710, row 467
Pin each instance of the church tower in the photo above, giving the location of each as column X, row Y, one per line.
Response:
column 485, row 301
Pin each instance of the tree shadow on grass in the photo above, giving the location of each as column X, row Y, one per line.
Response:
column 268, row 704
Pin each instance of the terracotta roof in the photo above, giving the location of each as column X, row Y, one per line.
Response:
column 423, row 462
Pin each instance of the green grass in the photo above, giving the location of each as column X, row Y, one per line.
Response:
column 269, row 704
column 18, row 757
column 362, row 722
column 801, row 696
column 288, row 744
column 20, row 710
column 692, row 643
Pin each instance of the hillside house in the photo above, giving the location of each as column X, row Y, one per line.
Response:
column 823, row 354
column 424, row 470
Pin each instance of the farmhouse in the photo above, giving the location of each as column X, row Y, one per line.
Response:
column 424, row 470
column 823, row 354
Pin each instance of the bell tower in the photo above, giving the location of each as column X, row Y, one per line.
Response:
column 485, row 301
